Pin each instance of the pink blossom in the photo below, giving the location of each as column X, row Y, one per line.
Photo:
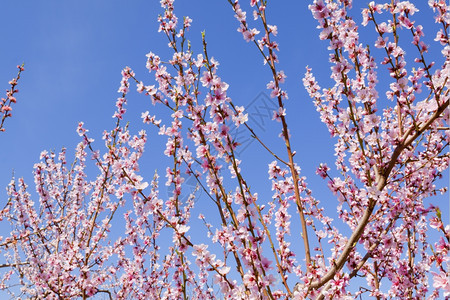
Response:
column 381, row 42
column 442, row 281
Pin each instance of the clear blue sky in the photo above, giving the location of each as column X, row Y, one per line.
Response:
column 74, row 52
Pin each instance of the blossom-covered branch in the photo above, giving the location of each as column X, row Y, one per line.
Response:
column 6, row 103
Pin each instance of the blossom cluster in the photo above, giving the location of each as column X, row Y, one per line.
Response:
column 379, row 147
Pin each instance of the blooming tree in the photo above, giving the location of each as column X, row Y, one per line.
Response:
column 390, row 149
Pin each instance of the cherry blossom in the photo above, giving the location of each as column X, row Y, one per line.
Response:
column 100, row 227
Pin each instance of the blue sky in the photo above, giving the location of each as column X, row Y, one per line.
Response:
column 74, row 51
